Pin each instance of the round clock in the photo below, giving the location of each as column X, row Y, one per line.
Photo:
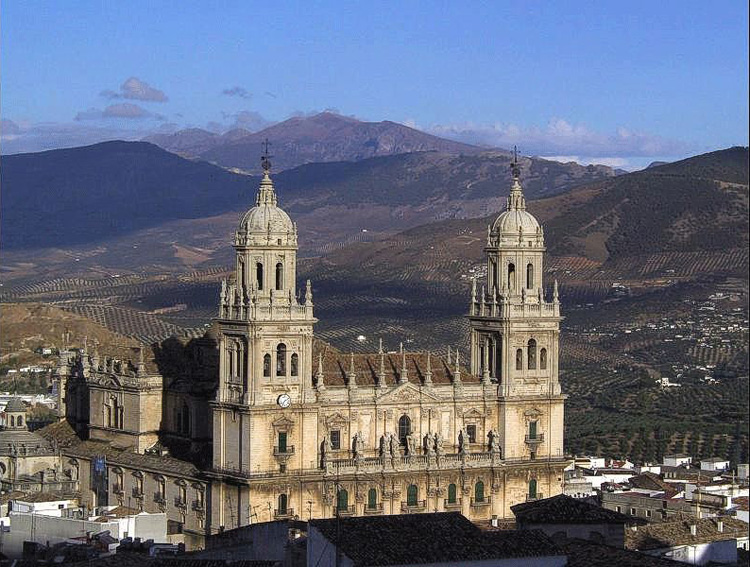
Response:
column 284, row 400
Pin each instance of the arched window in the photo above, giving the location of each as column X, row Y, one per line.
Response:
column 479, row 492
column 372, row 499
column 530, row 276
column 12, row 420
column 20, row 421
column 532, row 355
column 543, row 359
column 342, row 500
column 182, row 493
column 241, row 270
column 267, row 365
column 532, row 489
column 519, row 359
column 294, row 363
column 281, row 360
column 451, row 494
column 492, row 273
column 185, row 418
column 412, row 495
column 283, row 501
column 279, row 276
column 511, row 276
column 404, row 428
column 259, row 275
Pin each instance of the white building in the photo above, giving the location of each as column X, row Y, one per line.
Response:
column 677, row 460
column 714, row 464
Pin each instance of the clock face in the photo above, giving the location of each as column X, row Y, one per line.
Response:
column 284, row 400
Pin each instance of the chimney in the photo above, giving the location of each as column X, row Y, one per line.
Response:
column 720, row 525
column 693, row 529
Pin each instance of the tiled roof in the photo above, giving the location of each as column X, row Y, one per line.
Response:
column 126, row 559
column 337, row 365
column 588, row 554
column 670, row 534
column 428, row 538
column 63, row 433
column 564, row 509
column 33, row 497
column 741, row 503
column 651, row 481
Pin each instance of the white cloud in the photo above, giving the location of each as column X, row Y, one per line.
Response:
column 119, row 110
column 51, row 135
column 136, row 89
column 125, row 110
column 238, row 92
column 563, row 138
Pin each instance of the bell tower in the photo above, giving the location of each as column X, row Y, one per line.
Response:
column 265, row 331
column 515, row 330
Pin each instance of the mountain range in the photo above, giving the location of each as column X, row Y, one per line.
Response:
column 324, row 137
column 96, row 194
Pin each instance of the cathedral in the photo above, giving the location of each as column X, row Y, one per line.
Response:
column 257, row 420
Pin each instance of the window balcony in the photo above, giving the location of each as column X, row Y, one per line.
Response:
column 418, row 506
column 281, row 514
column 137, row 492
column 344, row 510
column 159, row 498
column 532, row 497
column 481, row 503
column 377, row 509
column 198, row 505
column 455, row 505
column 117, row 489
column 180, row 502
column 534, row 439
column 283, row 451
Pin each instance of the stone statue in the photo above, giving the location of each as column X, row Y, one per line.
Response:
column 428, row 444
column 438, row 444
column 494, row 441
column 358, row 445
column 325, row 448
column 462, row 439
column 393, row 442
column 410, row 445
column 383, row 446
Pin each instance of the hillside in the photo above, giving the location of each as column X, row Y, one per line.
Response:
column 324, row 137
column 82, row 195
column 132, row 204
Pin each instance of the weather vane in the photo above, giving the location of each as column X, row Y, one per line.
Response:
column 265, row 159
column 514, row 164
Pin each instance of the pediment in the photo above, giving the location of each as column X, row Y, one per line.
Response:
column 532, row 413
column 335, row 419
column 106, row 381
column 473, row 413
column 406, row 393
column 283, row 422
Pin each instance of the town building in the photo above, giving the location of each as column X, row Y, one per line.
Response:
column 257, row 420
column 696, row 542
column 563, row 517
column 28, row 461
column 439, row 539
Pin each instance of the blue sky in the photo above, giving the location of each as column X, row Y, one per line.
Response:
column 623, row 83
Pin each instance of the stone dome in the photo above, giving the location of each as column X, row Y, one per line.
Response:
column 266, row 218
column 15, row 405
column 266, row 223
column 515, row 221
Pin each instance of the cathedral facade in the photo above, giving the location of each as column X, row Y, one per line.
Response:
column 257, row 421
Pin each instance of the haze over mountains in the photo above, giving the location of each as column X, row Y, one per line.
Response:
column 324, row 137
column 94, row 194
